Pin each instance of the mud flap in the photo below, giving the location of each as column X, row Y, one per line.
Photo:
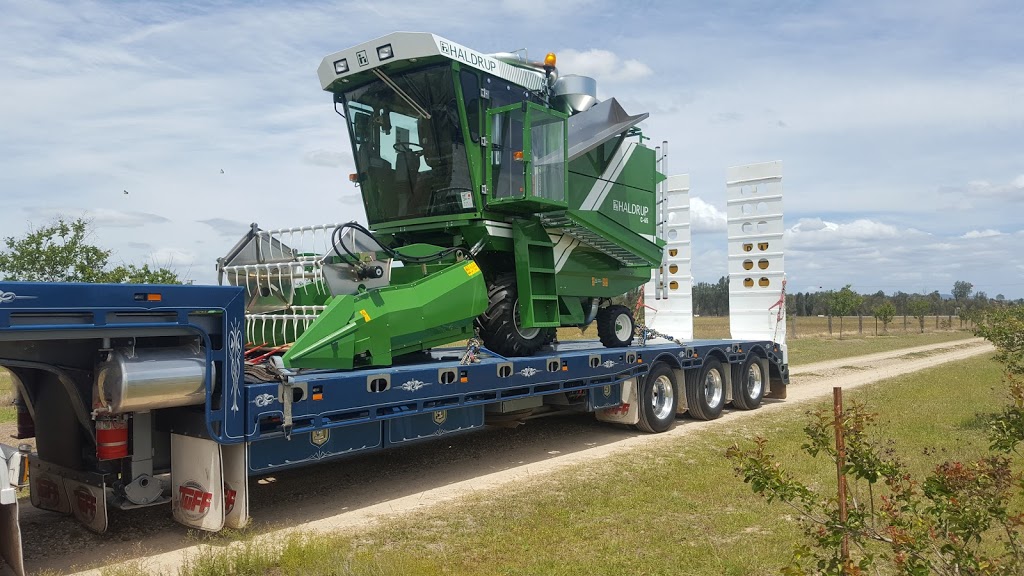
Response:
column 236, row 485
column 57, row 493
column 625, row 413
column 88, row 504
column 209, row 488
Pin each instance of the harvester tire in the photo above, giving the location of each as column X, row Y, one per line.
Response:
column 615, row 326
column 748, row 389
column 705, row 390
column 499, row 326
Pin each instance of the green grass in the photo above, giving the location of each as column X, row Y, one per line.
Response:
column 7, row 411
column 810, row 350
column 674, row 508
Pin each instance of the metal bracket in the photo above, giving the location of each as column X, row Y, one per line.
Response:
column 284, row 395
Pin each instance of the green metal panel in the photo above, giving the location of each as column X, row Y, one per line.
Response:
column 535, row 275
column 370, row 328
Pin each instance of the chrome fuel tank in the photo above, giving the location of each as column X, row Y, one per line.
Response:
column 132, row 380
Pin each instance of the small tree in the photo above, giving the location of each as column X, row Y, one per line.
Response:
column 61, row 252
column 843, row 303
column 963, row 518
column 919, row 308
column 962, row 291
column 885, row 313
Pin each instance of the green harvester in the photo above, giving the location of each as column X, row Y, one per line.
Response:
column 502, row 200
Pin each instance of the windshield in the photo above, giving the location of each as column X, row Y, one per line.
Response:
column 410, row 166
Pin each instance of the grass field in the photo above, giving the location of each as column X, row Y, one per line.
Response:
column 808, row 350
column 813, row 326
column 675, row 508
column 7, row 412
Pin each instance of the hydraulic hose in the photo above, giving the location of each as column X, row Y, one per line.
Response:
column 337, row 239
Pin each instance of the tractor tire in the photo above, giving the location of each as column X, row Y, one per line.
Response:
column 615, row 326
column 499, row 324
column 705, row 390
column 658, row 399
column 748, row 389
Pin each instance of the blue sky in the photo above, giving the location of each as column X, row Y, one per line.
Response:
column 900, row 123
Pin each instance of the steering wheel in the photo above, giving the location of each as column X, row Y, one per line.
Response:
column 408, row 147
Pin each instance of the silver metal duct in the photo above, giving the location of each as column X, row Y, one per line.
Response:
column 578, row 93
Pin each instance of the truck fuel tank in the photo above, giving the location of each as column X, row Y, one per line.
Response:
column 135, row 379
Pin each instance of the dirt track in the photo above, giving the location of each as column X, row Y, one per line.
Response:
column 362, row 489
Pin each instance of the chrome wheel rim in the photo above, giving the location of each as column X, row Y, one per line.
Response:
column 755, row 380
column 663, row 397
column 713, row 387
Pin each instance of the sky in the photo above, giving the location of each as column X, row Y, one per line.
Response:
column 900, row 124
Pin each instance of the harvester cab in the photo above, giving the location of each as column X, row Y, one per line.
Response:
column 513, row 200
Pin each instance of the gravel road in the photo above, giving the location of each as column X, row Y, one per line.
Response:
column 362, row 489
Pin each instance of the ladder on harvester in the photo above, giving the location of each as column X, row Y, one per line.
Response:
column 535, row 275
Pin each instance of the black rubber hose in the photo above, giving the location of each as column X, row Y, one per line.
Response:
column 336, row 239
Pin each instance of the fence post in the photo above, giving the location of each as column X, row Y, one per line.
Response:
column 837, row 409
column 860, row 324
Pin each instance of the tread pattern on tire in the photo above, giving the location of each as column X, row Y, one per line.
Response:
column 696, row 402
column 497, row 324
column 645, row 424
column 739, row 386
column 606, row 326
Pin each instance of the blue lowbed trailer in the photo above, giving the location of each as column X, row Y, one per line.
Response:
column 141, row 395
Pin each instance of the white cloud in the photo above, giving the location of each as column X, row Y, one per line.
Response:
column 705, row 218
column 989, row 233
column 1013, row 190
column 602, row 65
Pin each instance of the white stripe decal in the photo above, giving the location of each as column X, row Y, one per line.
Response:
column 499, row 231
column 564, row 257
column 604, row 184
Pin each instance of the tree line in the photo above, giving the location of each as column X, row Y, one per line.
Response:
column 712, row 299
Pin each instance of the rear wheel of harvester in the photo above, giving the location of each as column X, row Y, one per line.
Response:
column 615, row 326
column 705, row 391
column 748, row 389
column 500, row 326
column 658, row 399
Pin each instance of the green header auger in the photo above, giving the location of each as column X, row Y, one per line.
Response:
column 501, row 199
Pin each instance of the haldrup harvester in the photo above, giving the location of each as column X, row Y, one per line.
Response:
column 503, row 200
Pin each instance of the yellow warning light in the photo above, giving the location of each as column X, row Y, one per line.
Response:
column 353, row 177
column 517, row 155
column 550, row 60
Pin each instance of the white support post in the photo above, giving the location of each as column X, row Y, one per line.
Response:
column 669, row 296
column 756, row 266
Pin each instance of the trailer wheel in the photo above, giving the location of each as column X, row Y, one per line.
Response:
column 748, row 389
column 615, row 326
column 658, row 395
column 705, row 393
column 499, row 324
